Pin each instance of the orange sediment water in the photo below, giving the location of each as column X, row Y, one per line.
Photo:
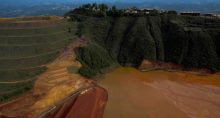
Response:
column 209, row 79
column 184, row 76
column 161, row 94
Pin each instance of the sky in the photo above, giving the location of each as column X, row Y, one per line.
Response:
column 32, row 2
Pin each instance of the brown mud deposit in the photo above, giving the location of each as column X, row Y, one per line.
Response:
column 51, row 87
column 160, row 94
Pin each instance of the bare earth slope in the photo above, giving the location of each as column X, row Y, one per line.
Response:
column 51, row 87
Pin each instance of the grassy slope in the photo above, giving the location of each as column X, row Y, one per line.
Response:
column 23, row 50
column 188, row 41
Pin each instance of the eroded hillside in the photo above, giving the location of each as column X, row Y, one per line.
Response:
column 192, row 42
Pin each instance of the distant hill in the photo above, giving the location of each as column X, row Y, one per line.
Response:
column 13, row 8
column 33, row 2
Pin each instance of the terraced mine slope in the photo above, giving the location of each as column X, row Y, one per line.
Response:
column 26, row 46
column 37, row 53
column 59, row 92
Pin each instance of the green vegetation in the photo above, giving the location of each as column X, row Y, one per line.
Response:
column 33, row 32
column 25, row 49
column 192, row 42
column 20, row 51
column 138, row 44
column 14, row 90
column 16, row 82
column 36, row 40
column 93, row 58
column 102, row 10
column 73, row 69
column 29, row 62
column 19, row 75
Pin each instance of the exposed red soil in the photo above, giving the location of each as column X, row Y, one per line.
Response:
column 89, row 104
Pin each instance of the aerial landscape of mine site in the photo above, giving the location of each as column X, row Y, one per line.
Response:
column 109, row 59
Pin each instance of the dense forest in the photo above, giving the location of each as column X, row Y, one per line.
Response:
column 127, row 39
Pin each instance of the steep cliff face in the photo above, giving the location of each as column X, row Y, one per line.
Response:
column 215, row 35
column 191, row 44
column 187, row 41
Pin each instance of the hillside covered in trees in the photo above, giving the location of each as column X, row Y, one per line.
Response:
column 116, row 37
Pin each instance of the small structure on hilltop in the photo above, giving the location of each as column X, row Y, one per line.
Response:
column 190, row 14
column 132, row 10
column 208, row 15
column 67, row 17
column 145, row 11
column 216, row 15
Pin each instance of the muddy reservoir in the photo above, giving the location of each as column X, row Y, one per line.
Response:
column 161, row 94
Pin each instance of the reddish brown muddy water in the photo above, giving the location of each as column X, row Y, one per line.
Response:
column 161, row 94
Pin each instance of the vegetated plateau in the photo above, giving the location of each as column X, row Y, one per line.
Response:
column 118, row 38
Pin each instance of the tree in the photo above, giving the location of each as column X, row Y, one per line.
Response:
column 95, row 6
column 87, row 6
column 103, row 7
column 69, row 29
column 114, row 8
column 115, row 12
column 172, row 12
column 154, row 12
